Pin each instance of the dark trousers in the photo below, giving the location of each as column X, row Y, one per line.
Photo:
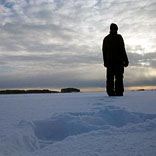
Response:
column 115, row 80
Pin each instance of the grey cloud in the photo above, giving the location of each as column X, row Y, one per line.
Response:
column 51, row 82
column 148, row 59
column 73, row 76
column 149, row 82
column 33, row 38
column 54, row 59
column 67, row 79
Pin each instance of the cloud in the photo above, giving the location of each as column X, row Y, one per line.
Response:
column 147, row 60
column 58, row 42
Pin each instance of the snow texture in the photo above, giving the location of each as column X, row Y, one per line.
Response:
column 78, row 124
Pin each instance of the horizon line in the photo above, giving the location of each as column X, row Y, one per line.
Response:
column 89, row 89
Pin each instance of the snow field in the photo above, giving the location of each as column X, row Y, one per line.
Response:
column 83, row 124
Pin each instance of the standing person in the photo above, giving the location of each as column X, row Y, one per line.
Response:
column 115, row 59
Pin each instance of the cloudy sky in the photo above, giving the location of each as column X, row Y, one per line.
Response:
column 57, row 43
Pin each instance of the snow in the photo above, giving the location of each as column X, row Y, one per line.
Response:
column 78, row 124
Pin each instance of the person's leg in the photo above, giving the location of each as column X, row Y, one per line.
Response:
column 110, row 82
column 119, row 87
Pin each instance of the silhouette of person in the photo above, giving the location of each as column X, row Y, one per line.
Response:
column 115, row 59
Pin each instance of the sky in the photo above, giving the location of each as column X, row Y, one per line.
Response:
column 57, row 43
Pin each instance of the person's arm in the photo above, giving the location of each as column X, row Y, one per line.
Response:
column 104, row 51
column 125, row 58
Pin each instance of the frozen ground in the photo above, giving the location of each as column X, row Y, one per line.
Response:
column 78, row 124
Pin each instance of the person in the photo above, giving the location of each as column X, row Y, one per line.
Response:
column 115, row 59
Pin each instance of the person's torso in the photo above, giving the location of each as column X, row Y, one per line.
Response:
column 114, row 49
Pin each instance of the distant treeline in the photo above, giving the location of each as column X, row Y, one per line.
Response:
column 26, row 91
column 64, row 90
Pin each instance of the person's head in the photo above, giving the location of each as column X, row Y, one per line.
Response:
column 113, row 28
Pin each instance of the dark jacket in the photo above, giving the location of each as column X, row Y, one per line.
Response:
column 114, row 52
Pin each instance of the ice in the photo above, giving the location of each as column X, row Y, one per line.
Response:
column 83, row 124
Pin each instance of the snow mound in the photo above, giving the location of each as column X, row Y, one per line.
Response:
column 21, row 140
column 61, row 126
